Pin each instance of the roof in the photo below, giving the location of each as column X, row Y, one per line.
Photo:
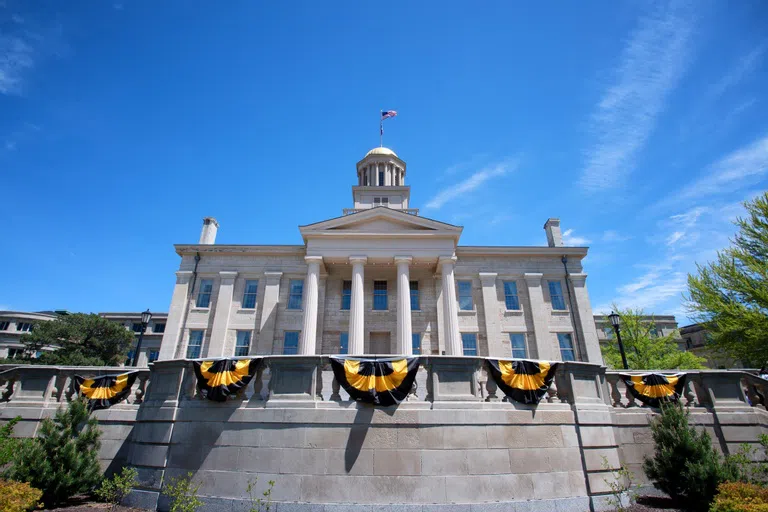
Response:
column 381, row 151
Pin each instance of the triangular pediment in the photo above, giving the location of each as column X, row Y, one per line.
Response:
column 381, row 221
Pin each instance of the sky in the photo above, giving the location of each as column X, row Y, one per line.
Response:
column 641, row 125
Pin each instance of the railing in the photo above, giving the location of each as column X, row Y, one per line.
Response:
column 52, row 384
column 409, row 211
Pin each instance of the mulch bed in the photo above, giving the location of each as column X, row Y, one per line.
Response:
column 654, row 504
column 86, row 505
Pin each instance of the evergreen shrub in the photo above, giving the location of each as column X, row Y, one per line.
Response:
column 18, row 496
column 740, row 497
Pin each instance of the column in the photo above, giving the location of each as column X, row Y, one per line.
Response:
column 356, row 312
column 453, row 346
column 545, row 342
column 438, row 342
column 172, row 336
column 492, row 320
column 221, row 315
column 404, row 342
column 308, row 342
column 587, row 329
column 269, row 312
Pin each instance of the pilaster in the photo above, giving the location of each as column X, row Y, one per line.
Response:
column 176, row 313
column 453, row 345
column 221, row 314
column 269, row 312
column 492, row 320
column 545, row 344
column 591, row 345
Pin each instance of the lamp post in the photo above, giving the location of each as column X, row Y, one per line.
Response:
column 145, row 318
column 615, row 321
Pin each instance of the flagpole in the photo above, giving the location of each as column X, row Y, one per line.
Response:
column 381, row 128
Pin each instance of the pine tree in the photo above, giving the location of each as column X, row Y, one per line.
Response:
column 63, row 460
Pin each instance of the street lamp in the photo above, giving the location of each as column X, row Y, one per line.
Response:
column 145, row 318
column 615, row 322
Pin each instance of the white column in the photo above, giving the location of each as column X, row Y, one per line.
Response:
column 492, row 318
column 453, row 346
column 404, row 343
column 588, row 338
column 545, row 341
column 308, row 343
column 172, row 337
column 439, row 340
column 356, row 312
column 268, row 317
column 221, row 315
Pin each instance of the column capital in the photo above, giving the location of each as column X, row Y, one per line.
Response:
column 313, row 259
column 403, row 259
column 578, row 279
column 488, row 278
column 442, row 260
column 273, row 277
column 358, row 259
column 183, row 276
column 228, row 274
column 533, row 279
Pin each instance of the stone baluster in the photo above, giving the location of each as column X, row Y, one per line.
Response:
column 141, row 388
column 552, row 392
column 258, row 382
column 319, row 382
column 8, row 383
column 335, row 389
column 689, row 393
column 630, row 397
column 613, row 381
column 491, row 387
column 760, row 388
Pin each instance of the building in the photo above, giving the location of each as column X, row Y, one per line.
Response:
column 381, row 279
column 662, row 325
column 14, row 324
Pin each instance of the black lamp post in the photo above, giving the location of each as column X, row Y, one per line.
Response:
column 615, row 321
column 145, row 318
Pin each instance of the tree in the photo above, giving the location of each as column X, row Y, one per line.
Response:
column 63, row 460
column 730, row 295
column 645, row 348
column 85, row 340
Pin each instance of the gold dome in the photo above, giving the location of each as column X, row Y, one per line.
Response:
column 381, row 151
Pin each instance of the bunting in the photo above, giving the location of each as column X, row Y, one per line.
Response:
column 654, row 388
column 220, row 378
column 381, row 381
column 523, row 380
column 105, row 391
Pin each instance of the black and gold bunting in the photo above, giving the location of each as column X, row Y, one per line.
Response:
column 654, row 388
column 523, row 380
column 105, row 391
column 379, row 381
column 220, row 378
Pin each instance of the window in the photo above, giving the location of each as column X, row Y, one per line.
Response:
column 655, row 332
column 380, row 295
column 296, row 291
column 381, row 178
column 136, row 327
column 465, row 296
column 556, row 295
column 24, row 326
column 518, row 345
column 249, row 294
column 510, row 295
column 346, row 294
column 129, row 357
column 376, row 201
column 204, row 294
column 291, row 343
column 688, row 343
column 469, row 342
column 567, row 352
column 344, row 343
column 608, row 332
column 414, row 285
column 416, row 343
column 154, row 355
column 158, row 328
column 195, row 344
column 4, row 326
column 13, row 353
column 243, row 344
column 385, row 201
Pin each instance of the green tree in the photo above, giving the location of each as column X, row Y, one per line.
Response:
column 63, row 460
column 730, row 295
column 84, row 340
column 645, row 347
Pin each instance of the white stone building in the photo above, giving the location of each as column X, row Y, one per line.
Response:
column 14, row 324
column 381, row 279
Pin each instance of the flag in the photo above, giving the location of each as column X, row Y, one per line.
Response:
column 523, row 380
column 220, row 378
column 654, row 388
column 386, row 114
column 380, row 381
column 104, row 392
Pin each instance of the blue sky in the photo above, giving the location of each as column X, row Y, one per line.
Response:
column 641, row 125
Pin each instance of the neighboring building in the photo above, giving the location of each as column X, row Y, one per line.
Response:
column 663, row 326
column 696, row 338
column 14, row 324
column 381, row 279
column 153, row 334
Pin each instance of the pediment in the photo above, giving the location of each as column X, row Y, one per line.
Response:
column 378, row 222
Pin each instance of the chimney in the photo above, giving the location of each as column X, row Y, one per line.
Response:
column 554, row 237
column 210, row 227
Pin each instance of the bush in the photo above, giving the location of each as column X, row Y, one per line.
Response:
column 183, row 494
column 63, row 460
column 740, row 497
column 684, row 464
column 18, row 496
column 752, row 463
column 8, row 444
column 114, row 489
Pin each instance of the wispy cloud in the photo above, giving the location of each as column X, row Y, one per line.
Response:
column 740, row 169
column 572, row 240
column 614, row 236
column 471, row 183
column 652, row 63
column 649, row 290
column 743, row 67
column 675, row 237
column 16, row 58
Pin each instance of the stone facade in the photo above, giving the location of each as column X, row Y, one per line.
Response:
column 380, row 240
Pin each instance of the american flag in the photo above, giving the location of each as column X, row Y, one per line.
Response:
column 386, row 114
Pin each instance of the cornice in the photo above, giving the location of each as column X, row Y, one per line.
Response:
column 293, row 250
column 499, row 250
